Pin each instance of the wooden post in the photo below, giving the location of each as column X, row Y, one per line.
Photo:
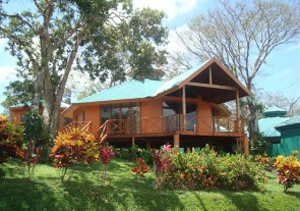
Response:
column 237, row 104
column 210, row 75
column 133, row 141
column 184, row 108
column 148, row 144
column 246, row 145
column 176, row 143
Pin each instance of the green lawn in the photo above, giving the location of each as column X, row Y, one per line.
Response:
column 44, row 191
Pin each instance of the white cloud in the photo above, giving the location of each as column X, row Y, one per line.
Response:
column 171, row 7
column 174, row 44
column 294, row 47
column 7, row 73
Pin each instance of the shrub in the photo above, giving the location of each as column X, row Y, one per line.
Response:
column 240, row 173
column 194, row 170
column 133, row 153
column 141, row 169
column 288, row 169
column 208, row 170
column 73, row 148
column 106, row 156
column 266, row 161
column 11, row 140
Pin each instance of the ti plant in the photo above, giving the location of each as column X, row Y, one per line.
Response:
column 106, row 156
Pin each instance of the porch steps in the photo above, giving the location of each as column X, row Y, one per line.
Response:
column 103, row 133
column 84, row 126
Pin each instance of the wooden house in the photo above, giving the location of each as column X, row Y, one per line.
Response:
column 17, row 113
column 186, row 111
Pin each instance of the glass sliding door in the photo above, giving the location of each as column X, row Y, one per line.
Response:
column 174, row 121
column 116, row 119
column 135, row 118
column 170, row 109
column 125, row 118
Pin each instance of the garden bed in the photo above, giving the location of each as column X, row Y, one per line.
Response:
column 44, row 191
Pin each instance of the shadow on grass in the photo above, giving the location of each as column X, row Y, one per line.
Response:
column 24, row 194
column 242, row 200
column 293, row 193
column 123, row 195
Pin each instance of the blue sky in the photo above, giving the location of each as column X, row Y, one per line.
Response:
column 281, row 73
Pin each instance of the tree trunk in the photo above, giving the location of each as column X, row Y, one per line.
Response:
column 53, row 96
column 38, row 88
column 253, row 123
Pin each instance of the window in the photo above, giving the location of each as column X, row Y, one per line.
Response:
column 67, row 121
column 174, row 123
column 125, row 117
column 22, row 117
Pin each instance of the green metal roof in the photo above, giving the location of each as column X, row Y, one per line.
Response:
column 292, row 121
column 275, row 111
column 62, row 105
column 267, row 126
column 134, row 89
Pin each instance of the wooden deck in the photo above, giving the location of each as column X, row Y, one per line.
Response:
column 172, row 126
column 175, row 124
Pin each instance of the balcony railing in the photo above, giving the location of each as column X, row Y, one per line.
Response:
column 186, row 124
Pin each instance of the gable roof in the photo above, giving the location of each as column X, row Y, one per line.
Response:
column 291, row 122
column 267, row 126
column 275, row 111
column 134, row 89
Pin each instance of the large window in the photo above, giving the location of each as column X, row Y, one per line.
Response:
column 175, row 122
column 125, row 117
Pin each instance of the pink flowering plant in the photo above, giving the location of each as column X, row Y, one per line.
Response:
column 106, row 156
column 162, row 160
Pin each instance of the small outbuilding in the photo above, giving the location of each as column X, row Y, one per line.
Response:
column 290, row 137
column 273, row 116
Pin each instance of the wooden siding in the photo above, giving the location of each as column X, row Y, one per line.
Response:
column 90, row 113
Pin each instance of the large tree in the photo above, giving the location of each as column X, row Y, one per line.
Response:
column 242, row 34
column 54, row 37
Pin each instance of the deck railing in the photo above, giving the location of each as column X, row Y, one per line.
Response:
column 192, row 124
column 82, row 125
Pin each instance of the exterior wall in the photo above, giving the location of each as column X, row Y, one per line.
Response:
column 290, row 141
column 16, row 113
column 151, row 116
column 91, row 113
column 204, row 112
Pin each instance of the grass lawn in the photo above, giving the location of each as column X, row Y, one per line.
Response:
column 44, row 191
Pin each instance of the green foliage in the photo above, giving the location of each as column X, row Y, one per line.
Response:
column 133, row 153
column 35, row 130
column 208, row 170
column 288, row 169
column 11, row 140
column 19, row 92
column 240, row 173
column 260, row 146
column 74, row 148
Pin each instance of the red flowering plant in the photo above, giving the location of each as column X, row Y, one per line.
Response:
column 141, row 169
column 73, row 148
column 11, row 140
column 162, row 160
column 106, row 156
column 288, row 169
column 30, row 156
